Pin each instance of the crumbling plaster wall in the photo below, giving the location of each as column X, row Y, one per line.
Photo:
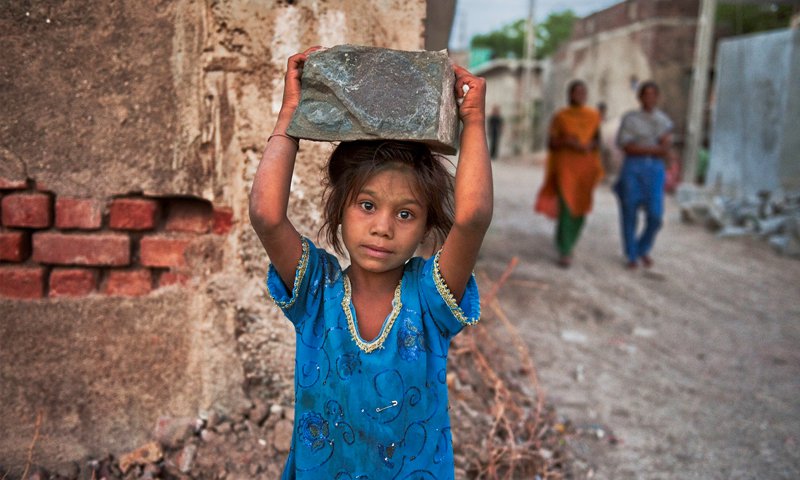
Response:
column 156, row 99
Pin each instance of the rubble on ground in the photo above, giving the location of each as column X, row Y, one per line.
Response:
column 502, row 427
column 775, row 219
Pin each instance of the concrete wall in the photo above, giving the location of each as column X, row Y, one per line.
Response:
column 615, row 49
column 754, row 141
column 159, row 105
column 504, row 79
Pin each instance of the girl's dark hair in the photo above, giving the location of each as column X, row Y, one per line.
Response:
column 353, row 163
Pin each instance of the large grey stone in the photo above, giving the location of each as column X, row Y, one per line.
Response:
column 361, row 93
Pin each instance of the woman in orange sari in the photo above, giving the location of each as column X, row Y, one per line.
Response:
column 573, row 169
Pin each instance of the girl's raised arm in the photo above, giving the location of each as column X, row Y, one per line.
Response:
column 473, row 187
column 269, row 197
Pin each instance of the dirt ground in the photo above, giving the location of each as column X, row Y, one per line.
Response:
column 694, row 366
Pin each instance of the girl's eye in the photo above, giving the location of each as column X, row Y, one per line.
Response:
column 405, row 215
column 367, row 206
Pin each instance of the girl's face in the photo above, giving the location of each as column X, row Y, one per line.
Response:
column 385, row 223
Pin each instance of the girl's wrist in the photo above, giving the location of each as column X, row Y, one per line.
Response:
column 294, row 140
column 474, row 122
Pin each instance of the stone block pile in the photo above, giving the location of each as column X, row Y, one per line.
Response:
column 775, row 219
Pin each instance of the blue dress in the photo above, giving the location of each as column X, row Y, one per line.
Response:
column 372, row 410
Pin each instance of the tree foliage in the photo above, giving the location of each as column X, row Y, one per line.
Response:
column 739, row 19
column 509, row 41
column 554, row 31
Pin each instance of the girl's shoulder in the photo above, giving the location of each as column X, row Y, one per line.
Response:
column 323, row 261
column 415, row 266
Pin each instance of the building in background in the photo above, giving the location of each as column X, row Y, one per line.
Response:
column 615, row 49
column 504, row 79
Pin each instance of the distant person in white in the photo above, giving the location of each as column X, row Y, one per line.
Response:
column 645, row 136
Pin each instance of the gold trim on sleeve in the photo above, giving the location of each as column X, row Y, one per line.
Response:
column 448, row 297
column 299, row 273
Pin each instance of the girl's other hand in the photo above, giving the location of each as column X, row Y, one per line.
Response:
column 473, row 105
column 291, row 89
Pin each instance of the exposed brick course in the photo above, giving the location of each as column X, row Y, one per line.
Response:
column 161, row 251
column 103, row 249
column 72, row 282
column 29, row 210
column 71, row 261
column 21, row 282
column 194, row 216
column 79, row 213
column 11, row 184
column 15, row 246
column 171, row 278
column 128, row 282
column 223, row 220
column 133, row 214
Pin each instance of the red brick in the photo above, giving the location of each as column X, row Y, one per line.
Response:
column 133, row 214
column 129, row 283
column 81, row 213
column 223, row 220
column 31, row 210
column 160, row 251
column 15, row 246
column 21, row 282
column 173, row 278
column 42, row 186
column 82, row 248
column 194, row 216
column 11, row 184
column 72, row 282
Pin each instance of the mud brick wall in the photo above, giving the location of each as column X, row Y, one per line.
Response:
column 131, row 283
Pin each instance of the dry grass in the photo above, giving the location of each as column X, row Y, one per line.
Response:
column 516, row 439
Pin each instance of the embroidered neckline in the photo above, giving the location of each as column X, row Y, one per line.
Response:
column 378, row 341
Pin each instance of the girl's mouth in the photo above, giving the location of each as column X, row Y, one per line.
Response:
column 376, row 251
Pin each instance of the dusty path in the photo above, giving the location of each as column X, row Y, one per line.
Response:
column 695, row 367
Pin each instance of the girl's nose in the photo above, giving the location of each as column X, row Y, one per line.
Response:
column 381, row 225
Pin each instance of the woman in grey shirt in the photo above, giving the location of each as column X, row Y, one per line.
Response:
column 646, row 137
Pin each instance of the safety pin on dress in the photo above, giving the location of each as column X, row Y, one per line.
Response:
column 380, row 409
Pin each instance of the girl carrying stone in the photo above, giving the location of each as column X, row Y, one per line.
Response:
column 372, row 338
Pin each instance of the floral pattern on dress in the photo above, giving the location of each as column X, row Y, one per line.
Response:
column 410, row 341
column 313, row 430
column 347, row 365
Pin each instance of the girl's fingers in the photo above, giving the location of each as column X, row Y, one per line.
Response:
column 460, row 70
column 464, row 77
column 298, row 59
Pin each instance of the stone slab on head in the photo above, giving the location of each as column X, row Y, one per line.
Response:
column 353, row 92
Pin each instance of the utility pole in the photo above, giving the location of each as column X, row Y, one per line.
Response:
column 704, row 39
column 527, row 80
